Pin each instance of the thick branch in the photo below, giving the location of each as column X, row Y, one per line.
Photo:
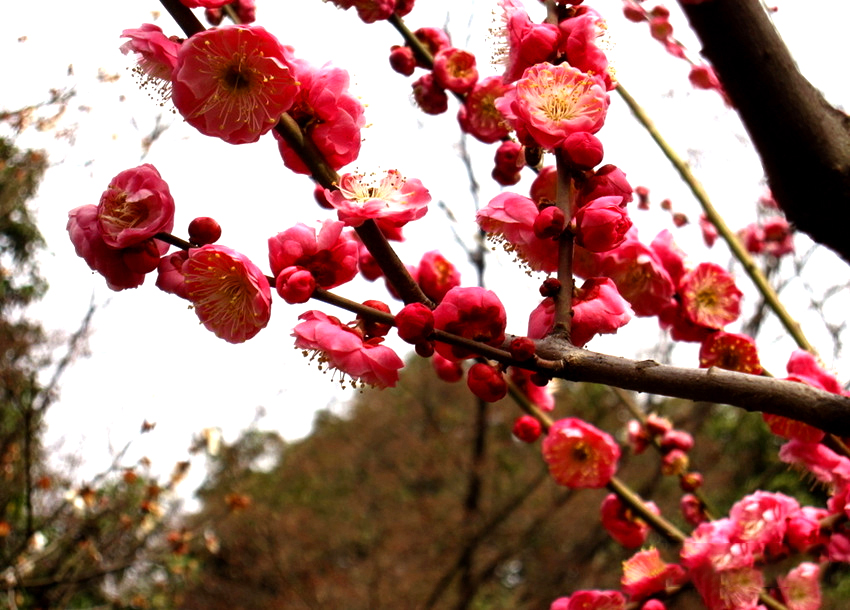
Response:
column 829, row 412
column 803, row 142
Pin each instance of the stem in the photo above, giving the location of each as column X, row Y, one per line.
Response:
column 738, row 250
column 184, row 17
column 564, row 300
column 636, row 503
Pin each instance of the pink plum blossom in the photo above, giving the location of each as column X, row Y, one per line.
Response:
column 394, row 200
column 730, row 351
column 602, row 224
column 580, row 455
column 585, row 600
column 639, row 275
column 135, row 206
column 436, row 275
column 478, row 115
column 343, row 349
column 579, row 37
column 527, row 43
column 551, row 102
column 509, row 218
column 230, row 294
column 541, row 396
column 455, row 70
column 233, row 82
column 598, row 308
column 84, row 231
column 645, row 573
column 328, row 114
column 709, row 296
column 329, row 255
column 623, row 524
column 156, row 56
column 800, row 588
column 473, row 313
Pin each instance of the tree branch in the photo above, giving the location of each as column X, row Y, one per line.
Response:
column 803, row 142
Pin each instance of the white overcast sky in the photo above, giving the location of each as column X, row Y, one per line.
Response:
column 151, row 360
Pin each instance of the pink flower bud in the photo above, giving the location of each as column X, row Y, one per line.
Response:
column 690, row 481
column 429, row 96
column 424, row 349
column 584, row 150
column 371, row 328
column 657, row 425
column 550, row 287
column 447, row 370
column 454, row 69
column 633, row 11
column 143, row 257
column 509, row 156
column 402, row 60
column 204, row 230
column 549, row 223
column 473, row 313
column 675, row 462
column 692, row 509
column 170, row 274
column 486, row 382
column 415, row 323
column 295, row 285
column 436, row 275
column 527, row 428
column 319, row 196
column 602, row 224
column 505, row 177
column 433, row 38
column 522, row 348
column 677, row 439
column 638, row 437
column 622, row 524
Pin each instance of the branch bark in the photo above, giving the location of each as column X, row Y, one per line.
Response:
column 803, row 142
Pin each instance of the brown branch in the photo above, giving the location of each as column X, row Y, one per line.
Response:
column 829, row 412
column 803, row 142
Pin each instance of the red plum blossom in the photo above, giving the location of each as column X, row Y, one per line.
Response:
column 580, row 455
column 394, row 200
column 233, row 82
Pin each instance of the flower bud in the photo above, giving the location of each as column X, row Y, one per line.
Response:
column 204, row 230
column 549, row 223
column 522, row 348
column 486, row 382
column 527, row 429
column 415, row 323
column 371, row 328
column 447, row 370
column 295, row 285
column 429, row 96
column 584, row 150
column 402, row 60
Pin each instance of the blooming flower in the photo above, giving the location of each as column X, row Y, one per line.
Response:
column 135, row 206
column 646, row 573
column 343, row 349
column 528, row 43
column 157, row 56
column 455, row 70
column 327, row 113
column 598, row 308
column 709, row 296
column 598, row 600
column 478, row 115
column 473, row 313
column 578, row 41
column 730, row 351
column 800, row 588
column 230, row 294
column 84, row 231
column 394, row 200
column 509, row 219
column 639, row 275
column 329, row 255
column 233, row 82
column 551, row 102
column 580, row 455
column 623, row 524
column 762, row 519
